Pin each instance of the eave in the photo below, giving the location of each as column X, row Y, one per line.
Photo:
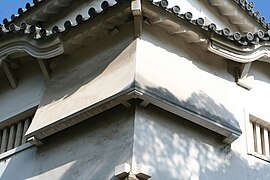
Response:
column 38, row 11
column 241, row 14
column 100, row 23
column 187, row 26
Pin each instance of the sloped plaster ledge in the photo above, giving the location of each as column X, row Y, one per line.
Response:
column 131, row 75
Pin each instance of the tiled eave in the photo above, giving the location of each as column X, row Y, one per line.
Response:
column 241, row 14
column 42, row 10
column 33, row 40
column 242, row 48
column 248, row 8
column 37, row 11
column 250, row 46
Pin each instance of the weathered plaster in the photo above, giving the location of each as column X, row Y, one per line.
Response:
column 173, row 148
column 16, row 101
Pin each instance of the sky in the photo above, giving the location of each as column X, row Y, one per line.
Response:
column 8, row 7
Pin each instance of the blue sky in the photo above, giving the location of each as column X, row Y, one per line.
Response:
column 8, row 7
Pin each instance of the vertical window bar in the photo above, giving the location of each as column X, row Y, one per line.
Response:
column 262, row 140
column 266, row 140
column 1, row 135
column 269, row 142
column 259, row 144
column 25, row 127
column 255, row 137
column 11, row 138
column 4, row 140
column 19, row 133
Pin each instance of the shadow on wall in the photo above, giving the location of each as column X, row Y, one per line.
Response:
column 200, row 104
column 174, row 148
column 260, row 71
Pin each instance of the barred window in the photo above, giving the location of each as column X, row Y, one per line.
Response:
column 13, row 136
column 260, row 131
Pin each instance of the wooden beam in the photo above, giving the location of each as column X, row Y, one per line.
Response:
column 244, row 69
column 126, row 104
column 137, row 14
column 9, row 73
column 145, row 103
column 35, row 141
column 46, row 71
column 242, row 76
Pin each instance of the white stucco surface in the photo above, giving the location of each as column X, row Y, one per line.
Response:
column 258, row 97
column 20, row 166
column 15, row 101
column 173, row 148
column 90, row 150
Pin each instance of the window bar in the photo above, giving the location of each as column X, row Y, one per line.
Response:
column 266, row 140
column 269, row 142
column 25, row 127
column 4, row 140
column 11, row 138
column 262, row 140
column 19, row 133
column 258, row 137
column 1, row 135
column 255, row 137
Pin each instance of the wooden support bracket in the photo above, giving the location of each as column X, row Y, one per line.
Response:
column 242, row 78
column 136, row 9
column 126, row 104
column 35, row 141
column 145, row 103
column 46, row 70
column 9, row 72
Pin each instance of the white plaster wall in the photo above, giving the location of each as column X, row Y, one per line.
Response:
column 189, row 76
column 28, row 93
column 90, row 150
column 196, row 69
column 173, row 148
column 258, row 96
column 19, row 166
